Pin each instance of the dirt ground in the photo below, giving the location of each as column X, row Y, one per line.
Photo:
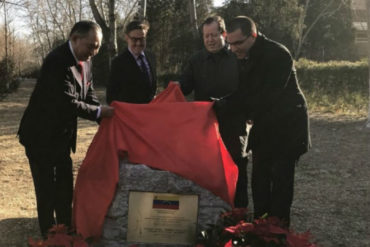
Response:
column 332, row 188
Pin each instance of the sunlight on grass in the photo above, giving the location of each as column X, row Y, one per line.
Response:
column 347, row 104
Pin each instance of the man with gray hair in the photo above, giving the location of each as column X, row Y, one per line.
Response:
column 48, row 128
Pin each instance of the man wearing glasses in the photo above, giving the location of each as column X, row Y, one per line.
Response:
column 213, row 73
column 270, row 96
column 133, row 76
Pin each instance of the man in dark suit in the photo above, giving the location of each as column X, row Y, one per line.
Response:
column 48, row 127
column 270, row 96
column 133, row 75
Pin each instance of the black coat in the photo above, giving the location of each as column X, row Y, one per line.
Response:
column 127, row 82
column 210, row 75
column 269, row 95
column 59, row 97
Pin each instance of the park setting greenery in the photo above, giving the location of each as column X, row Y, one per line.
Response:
column 332, row 74
column 319, row 34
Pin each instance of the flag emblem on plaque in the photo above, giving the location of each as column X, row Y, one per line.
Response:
column 166, row 202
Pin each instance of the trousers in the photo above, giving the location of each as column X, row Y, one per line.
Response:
column 272, row 186
column 236, row 145
column 53, row 181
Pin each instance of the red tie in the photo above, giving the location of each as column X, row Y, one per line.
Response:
column 81, row 69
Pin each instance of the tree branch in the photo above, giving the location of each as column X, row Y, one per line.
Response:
column 97, row 16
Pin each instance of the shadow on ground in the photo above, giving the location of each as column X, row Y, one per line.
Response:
column 16, row 231
column 331, row 188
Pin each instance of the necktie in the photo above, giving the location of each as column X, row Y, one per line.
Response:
column 80, row 68
column 144, row 69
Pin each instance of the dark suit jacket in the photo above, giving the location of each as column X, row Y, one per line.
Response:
column 59, row 97
column 127, row 82
column 269, row 95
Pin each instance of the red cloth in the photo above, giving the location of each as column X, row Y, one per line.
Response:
column 169, row 134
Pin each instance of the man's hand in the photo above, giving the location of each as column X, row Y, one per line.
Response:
column 106, row 111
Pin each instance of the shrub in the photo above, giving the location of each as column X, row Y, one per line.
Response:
column 335, row 85
column 8, row 80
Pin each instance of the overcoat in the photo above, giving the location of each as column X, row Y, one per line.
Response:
column 270, row 96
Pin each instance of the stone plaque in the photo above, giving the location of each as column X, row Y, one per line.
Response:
column 162, row 218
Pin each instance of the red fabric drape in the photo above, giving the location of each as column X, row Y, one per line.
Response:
column 168, row 134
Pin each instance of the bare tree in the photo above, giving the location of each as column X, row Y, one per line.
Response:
column 51, row 21
column 6, row 35
column 193, row 17
column 105, row 14
column 108, row 25
column 9, row 35
column 304, row 30
column 16, row 48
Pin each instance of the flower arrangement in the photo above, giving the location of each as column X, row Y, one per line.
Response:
column 235, row 228
column 59, row 236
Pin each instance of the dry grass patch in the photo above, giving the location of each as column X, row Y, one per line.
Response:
column 332, row 193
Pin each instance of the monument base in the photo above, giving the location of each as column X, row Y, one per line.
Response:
column 134, row 178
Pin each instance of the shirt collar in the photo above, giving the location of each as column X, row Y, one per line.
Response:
column 73, row 53
column 136, row 57
column 222, row 51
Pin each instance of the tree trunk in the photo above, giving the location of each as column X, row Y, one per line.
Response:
column 304, row 31
column 6, row 38
column 193, row 18
column 368, row 50
column 109, row 30
column 113, row 29
column 144, row 9
column 301, row 26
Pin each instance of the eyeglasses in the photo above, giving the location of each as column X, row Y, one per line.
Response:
column 134, row 39
column 238, row 42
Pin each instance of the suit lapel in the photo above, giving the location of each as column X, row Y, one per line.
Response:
column 87, row 76
column 86, row 80
column 138, row 69
column 76, row 75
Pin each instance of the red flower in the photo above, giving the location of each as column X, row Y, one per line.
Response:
column 236, row 214
column 59, row 236
column 36, row 243
column 60, row 239
column 228, row 244
column 242, row 227
column 58, row 229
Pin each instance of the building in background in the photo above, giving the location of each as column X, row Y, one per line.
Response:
column 359, row 15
